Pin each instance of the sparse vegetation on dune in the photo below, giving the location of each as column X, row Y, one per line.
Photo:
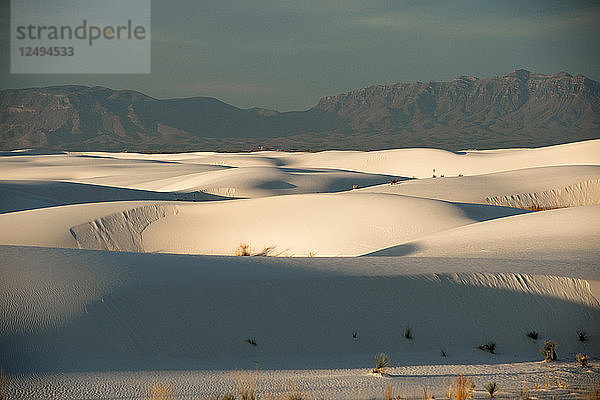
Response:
column 244, row 250
column 247, row 385
column 490, row 347
column 548, row 351
column 382, row 362
column 160, row 391
column 582, row 336
column 491, row 388
column 582, row 359
column 532, row 335
column 462, row 390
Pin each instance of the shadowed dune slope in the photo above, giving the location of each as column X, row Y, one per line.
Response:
column 82, row 310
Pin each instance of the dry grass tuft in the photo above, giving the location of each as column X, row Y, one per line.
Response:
column 388, row 392
column 463, row 389
column 490, row 347
column 159, row 391
column 532, row 335
column 243, row 250
column 582, row 359
column 246, row 385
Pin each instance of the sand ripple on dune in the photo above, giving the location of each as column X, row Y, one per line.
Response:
column 579, row 194
column 121, row 231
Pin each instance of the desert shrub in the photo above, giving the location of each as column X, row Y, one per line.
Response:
column 548, row 351
column 354, row 187
column 443, row 352
column 491, row 389
column 161, row 392
column 394, row 181
column 532, row 335
column 243, row 250
column 582, row 336
column 355, row 334
column 382, row 362
column 388, row 392
column 408, row 333
column 464, row 388
column 252, row 341
column 246, row 386
column 490, row 347
column 582, row 359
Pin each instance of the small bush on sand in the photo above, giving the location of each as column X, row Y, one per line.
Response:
column 408, row 333
column 252, row 341
column 464, row 388
column 161, row 392
column 246, row 386
column 382, row 362
column 548, row 351
column 491, row 389
column 490, row 347
column 582, row 336
column 388, row 393
column 243, row 250
column 582, row 359
column 532, row 335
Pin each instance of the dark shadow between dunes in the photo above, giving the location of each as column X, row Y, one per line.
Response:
column 29, row 195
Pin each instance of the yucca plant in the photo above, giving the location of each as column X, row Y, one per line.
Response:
column 382, row 362
column 491, row 388
column 582, row 359
column 548, row 351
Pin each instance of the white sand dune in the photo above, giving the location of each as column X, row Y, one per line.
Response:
column 548, row 187
column 421, row 162
column 80, row 309
column 547, row 235
column 320, row 224
column 446, row 258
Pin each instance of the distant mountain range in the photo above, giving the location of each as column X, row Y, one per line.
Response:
column 521, row 109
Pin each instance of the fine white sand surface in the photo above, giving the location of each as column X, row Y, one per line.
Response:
column 118, row 272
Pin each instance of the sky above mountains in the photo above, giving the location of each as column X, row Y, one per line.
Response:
column 286, row 55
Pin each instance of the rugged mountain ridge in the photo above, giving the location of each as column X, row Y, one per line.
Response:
column 519, row 109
